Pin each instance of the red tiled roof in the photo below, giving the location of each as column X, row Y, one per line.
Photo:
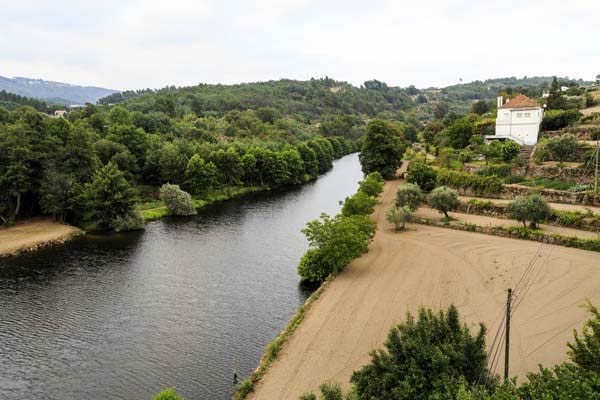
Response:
column 520, row 101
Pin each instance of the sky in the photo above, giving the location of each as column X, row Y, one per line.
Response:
column 134, row 44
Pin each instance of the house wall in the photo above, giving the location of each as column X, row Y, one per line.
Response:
column 522, row 124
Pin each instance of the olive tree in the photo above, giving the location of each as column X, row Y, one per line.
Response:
column 444, row 199
column 399, row 216
column 533, row 208
column 177, row 201
column 409, row 195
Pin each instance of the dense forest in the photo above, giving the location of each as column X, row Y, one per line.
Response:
column 90, row 167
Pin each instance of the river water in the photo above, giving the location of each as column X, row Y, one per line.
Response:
column 123, row 316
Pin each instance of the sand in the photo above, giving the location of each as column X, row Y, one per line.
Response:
column 33, row 234
column 434, row 267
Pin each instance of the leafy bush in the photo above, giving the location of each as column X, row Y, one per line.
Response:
column 399, row 216
column 422, row 175
column 358, row 204
column 328, row 392
column 177, row 201
column 167, row 394
column 510, row 150
column 409, row 195
column 131, row 221
column 425, row 358
column 372, row 184
column 533, row 208
column 557, row 119
column 444, row 199
column 562, row 147
column 500, row 170
column 334, row 243
column 480, row 185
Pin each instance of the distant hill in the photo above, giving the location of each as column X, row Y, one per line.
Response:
column 54, row 92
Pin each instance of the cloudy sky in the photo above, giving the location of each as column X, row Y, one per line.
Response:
column 130, row 44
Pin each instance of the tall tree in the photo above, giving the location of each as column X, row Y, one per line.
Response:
column 382, row 148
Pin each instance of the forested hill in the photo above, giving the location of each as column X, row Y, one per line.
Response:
column 11, row 101
column 54, row 92
column 309, row 100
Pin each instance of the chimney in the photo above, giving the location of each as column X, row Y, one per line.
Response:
column 499, row 102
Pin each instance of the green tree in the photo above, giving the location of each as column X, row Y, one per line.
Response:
column 555, row 100
column 309, row 157
column 510, row 150
column 444, row 199
column 200, row 176
column 421, row 175
column 109, row 196
column 533, row 208
column 480, row 107
column 358, row 204
column 399, row 216
column 178, row 202
column 229, row 164
column 424, row 358
column 409, row 195
column 294, row 165
column 562, row 147
column 372, row 185
column 459, row 132
column 17, row 163
column 334, row 242
column 382, row 148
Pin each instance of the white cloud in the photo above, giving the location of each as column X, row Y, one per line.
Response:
column 153, row 43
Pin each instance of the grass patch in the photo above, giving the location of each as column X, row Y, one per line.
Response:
column 547, row 184
column 155, row 213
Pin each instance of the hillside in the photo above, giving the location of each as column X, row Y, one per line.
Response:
column 316, row 97
column 54, row 92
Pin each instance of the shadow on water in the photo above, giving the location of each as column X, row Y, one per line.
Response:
column 122, row 316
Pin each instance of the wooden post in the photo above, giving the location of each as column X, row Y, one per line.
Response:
column 507, row 344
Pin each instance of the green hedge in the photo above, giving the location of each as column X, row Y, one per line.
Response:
column 463, row 181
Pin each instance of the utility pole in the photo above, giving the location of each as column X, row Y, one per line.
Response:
column 596, row 175
column 507, row 344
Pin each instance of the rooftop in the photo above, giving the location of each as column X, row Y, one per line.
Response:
column 520, row 101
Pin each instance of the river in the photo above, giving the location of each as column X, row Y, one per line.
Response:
column 123, row 316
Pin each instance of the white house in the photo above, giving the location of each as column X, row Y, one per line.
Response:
column 518, row 119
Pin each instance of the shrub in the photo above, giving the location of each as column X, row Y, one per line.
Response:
column 421, row 174
column 399, row 216
column 444, row 199
column 334, row 243
column 562, row 147
column 480, row 185
column 178, row 202
column 409, row 195
column 500, row 170
column 510, row 150
column 358, row 204
column 131, row 221
column 558, row 119
column 425, row 358
column 532, row 208
column 167, row 394
column 372, row 184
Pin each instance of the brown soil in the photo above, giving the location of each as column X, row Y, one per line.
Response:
column 435, row 267
column 556, row 206
column 33, row 234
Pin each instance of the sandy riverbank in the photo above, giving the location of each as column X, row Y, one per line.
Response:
column 434, row 267
column 31, row 235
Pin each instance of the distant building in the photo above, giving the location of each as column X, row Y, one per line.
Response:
column 518, row 119
column 60, row 113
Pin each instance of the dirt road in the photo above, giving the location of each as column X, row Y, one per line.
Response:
column 555, row 206
column 434, row 267
column 32, row 234
column 483, row 220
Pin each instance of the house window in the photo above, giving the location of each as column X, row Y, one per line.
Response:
column 519, row 115
column 527, row 115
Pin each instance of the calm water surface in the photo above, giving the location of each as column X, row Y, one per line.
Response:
column 123, row 316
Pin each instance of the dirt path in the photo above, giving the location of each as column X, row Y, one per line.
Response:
column 556, row 206
column 492, row 221
column 434, row 267
column 33, row 234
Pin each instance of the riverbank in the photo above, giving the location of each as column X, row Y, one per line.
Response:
column 156, row 210
column 31, row 235
column 434, row 267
